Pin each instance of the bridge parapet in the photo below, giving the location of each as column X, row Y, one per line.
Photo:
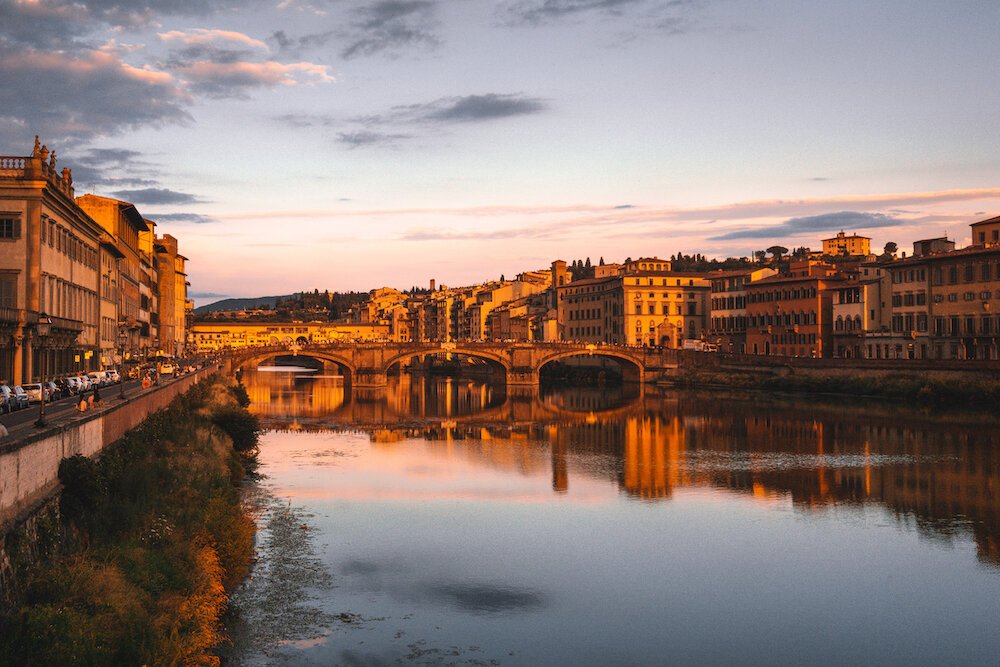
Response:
column 368, row 363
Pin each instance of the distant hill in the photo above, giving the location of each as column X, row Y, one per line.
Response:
column 241, row 304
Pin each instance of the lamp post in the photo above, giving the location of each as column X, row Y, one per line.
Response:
column 43, row 329
column 122, row 336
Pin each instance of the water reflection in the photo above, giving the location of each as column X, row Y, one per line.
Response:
column 941, row 476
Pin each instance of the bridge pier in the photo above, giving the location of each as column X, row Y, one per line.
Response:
column 369, row 378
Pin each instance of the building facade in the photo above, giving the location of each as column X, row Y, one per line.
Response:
column 50, row 265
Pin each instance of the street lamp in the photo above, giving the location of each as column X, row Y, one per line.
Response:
column 122, row 336
column 43, row 329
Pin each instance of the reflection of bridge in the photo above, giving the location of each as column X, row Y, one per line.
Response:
column 367, row 364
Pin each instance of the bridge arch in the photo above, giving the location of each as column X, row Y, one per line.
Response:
column 403, row 357
column 256, row 357
column 633, row 369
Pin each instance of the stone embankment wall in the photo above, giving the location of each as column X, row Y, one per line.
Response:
column 30, row 527
column 943, row 368
column 29, row 462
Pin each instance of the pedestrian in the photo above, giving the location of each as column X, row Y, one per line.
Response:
column 97, row 394
column 3, row 432
column 83, row 405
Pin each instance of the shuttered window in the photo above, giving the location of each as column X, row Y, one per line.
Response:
column 10, row 227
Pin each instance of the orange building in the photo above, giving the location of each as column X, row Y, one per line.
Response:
column 792, row 315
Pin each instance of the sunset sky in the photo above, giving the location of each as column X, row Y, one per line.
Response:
column 341, row 144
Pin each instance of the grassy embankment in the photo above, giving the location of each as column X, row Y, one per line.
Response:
column 159, row 537
column 957, row 391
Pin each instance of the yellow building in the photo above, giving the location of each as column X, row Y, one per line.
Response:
column 124, row 223
column 171, row 270
column 986, row 232
column 841, row 244
column 215, row 336
column 49, row 264
column 646, row 304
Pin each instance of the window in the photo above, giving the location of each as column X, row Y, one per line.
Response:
column 10, row 227
column 8, row 291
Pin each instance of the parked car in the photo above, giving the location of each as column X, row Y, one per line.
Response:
column 84, row 382
column 75, row 384
column 115, row 377
column 20, row 396
column 65, row 388
column 35, row 392
column 55, row 393
column 100, row 378
column 167, row 368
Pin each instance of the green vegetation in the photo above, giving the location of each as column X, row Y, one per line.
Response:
column 161, row 535
column 966, row 392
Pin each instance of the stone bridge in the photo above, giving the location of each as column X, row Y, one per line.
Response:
column 367, row 364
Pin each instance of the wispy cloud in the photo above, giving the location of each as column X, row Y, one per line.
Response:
column 404, row 122
column 224, row 63
column 474, row 108
column 157, row 196
column 195, row 218
column 388, row 26
column 365, row 138
column 543, row 11
column 663, row 16
column 815, row 223
column 207, row 36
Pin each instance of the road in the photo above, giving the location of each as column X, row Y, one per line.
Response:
column 23, row 420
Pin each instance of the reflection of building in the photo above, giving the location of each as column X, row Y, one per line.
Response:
column 807, row 455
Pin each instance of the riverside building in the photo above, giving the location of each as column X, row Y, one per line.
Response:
column 50, row 265
column 87, row 263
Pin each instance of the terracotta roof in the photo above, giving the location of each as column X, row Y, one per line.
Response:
column 991, row 221
column 964, row 252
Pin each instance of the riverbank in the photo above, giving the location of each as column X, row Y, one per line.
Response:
column 978, row 390
column 145, row 544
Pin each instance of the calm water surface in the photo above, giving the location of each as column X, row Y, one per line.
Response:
column 446, row 522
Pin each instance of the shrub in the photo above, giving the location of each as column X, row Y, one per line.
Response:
column 241, row 426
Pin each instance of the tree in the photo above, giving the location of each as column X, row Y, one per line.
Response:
column 601, row 262
column 502, row 278
column 777, row 251
column 759, row 255
column 890, row 248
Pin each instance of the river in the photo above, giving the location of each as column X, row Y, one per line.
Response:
column 449, row 523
